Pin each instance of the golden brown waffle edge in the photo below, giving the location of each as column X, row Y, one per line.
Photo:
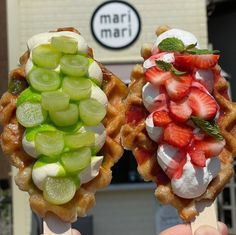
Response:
column 11, row 138
column 135, row 138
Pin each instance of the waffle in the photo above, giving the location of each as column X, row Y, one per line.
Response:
column 135, row 138
column 11, row 139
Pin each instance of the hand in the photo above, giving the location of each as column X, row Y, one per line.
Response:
column 203, row 230
column 75, row 232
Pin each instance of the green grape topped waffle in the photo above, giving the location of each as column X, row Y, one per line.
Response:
column 60, row 99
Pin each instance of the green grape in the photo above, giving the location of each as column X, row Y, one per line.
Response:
column 46, row 56
column 76, row 160
column 55, row 100
column 77, row 88
column 49, row 143
column 28, row 95
column 66, row 117
column 79, row 140
column 30, row 114
column 58, row 190
column 91, row 111
column 74, row 65
column 65, row 44
column 44, row 79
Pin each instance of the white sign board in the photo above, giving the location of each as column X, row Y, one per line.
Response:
column 115, row 24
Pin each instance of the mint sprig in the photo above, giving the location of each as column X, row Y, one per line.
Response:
column 168, row 67
column 209, row 127
column 171, row 44
column 176, row 45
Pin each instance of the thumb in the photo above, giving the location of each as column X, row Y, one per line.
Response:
column 207, row 230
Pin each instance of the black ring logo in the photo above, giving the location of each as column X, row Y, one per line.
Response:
column 115, row 24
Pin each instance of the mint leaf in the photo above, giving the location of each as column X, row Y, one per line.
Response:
column 196, row 51
column 190, row 46
column 210, row 128
column 177, row 72
column 168, row 67
column 171, row 44
column 163, row 65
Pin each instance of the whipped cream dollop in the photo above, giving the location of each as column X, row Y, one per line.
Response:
column 192, row 180
column 43, row 169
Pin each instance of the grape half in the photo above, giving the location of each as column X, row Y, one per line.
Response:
column 65, row 44
column 44, row 79
column 66, row 117
column 74, row 65
column 91, row 111
column 49, row 143
column 46, row 56
column 55, row 100
column 30, row 114
column 77, row 88
column 76, row 160
column 58, row 190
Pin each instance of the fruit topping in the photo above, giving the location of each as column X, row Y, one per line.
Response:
column 180, row 110
column 74, row 65
column 161, row 118
column 203, row 105
column 177, row 135
column 65, row 44
column 157, row 77
column 44, row 79
column 206, row 78
column 178, row 87
column 91, row 112
column 49, row 143
column 46, row 56
column 198, row 158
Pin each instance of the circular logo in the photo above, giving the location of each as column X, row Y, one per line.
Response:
column 115, row 24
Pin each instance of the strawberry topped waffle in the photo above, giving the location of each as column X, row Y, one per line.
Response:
column 175, row 131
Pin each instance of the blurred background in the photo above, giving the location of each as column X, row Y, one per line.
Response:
column 128, row 205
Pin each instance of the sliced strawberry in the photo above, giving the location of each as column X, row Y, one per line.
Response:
column 188, row 62
column 205, row 61
column 156, row 76
column 210, row 146
column 161, row 118
column 180, row 110
column 135, row 114
column 198, row 158
column 177, row 135
column 184, row 62
column 203, row 105
column 165, row 56
column 178, row 87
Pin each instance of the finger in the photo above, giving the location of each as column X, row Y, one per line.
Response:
column 207, row 230
column 223, row 228
column 75, row 232
column 178, row 230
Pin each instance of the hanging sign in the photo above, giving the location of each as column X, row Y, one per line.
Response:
column 115, row 24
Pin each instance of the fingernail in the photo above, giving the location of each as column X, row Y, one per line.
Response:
column 206, row 230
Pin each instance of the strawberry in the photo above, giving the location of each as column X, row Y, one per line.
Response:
column 177, row 135
column 178, row 87
column 151, row 61
column 156, row 76
column 205, row 61
column 187, row 62
column 161, row 118
column 135, row 114
column 184, row 62
column 210, row 146
column 203, row 105
column 198, row 158
column 180, row 110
